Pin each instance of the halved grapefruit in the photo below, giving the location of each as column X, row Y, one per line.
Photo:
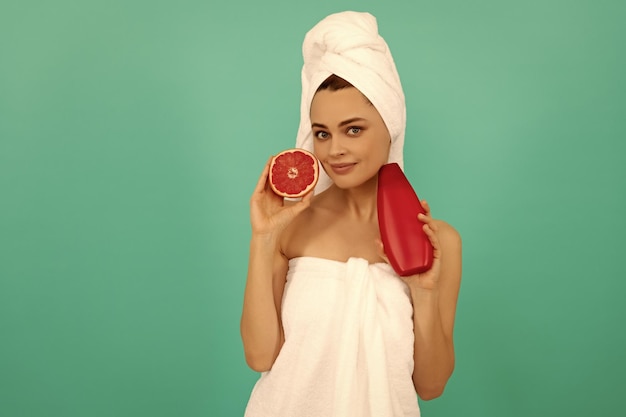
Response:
column 293, row 173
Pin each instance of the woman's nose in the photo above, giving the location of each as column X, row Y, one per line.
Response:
column 337, row 146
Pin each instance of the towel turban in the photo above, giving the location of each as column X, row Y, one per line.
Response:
column 348, row 45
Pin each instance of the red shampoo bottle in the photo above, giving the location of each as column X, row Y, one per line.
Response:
column 406, row 244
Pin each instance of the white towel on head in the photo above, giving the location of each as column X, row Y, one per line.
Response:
column 348, row 45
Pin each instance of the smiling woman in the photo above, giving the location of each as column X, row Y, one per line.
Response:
column 334, row 330
column 350, row 136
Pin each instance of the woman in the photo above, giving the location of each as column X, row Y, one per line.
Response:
column 333, row 329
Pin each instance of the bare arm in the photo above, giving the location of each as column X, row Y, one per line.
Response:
column 434, row 297
column 261, row 326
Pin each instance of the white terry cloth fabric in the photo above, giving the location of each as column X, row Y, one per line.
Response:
column 347, row 44
column 348, row 348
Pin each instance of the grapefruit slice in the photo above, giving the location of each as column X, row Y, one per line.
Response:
column 293, row 173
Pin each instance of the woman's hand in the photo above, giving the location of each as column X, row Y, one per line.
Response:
column 428, row 280
column 268, row 212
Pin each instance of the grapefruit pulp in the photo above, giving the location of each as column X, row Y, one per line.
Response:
column 293, row 173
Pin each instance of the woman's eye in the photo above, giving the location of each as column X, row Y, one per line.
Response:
column 321, row 135
column 354, row 130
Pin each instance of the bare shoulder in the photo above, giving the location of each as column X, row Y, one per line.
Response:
column 447, row 234
column 446, row 230
column 451, row 256
column 451, row 248
column 292, row 238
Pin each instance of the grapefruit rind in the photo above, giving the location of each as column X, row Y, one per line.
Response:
column 293, row 173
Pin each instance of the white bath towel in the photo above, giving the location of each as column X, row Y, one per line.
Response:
column 348, row 45
column 348, row 348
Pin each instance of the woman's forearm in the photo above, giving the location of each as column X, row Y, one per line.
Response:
column 261, row 329
column 433, row 350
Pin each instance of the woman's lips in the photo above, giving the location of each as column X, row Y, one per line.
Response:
column 341, row 169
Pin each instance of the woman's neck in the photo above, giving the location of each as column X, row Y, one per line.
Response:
column 359, row 202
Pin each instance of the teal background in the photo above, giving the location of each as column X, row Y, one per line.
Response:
column 132, row 134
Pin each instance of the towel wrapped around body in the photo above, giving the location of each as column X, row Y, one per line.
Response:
column 348, row 348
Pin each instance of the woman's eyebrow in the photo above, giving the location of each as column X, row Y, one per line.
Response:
column 350, row 121
column 344, row 123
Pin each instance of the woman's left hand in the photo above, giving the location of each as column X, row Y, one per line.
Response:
column 428, row 280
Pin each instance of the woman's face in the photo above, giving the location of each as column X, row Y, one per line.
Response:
column 350, row 138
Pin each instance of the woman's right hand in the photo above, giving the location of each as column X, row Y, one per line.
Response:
column 269, row 215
